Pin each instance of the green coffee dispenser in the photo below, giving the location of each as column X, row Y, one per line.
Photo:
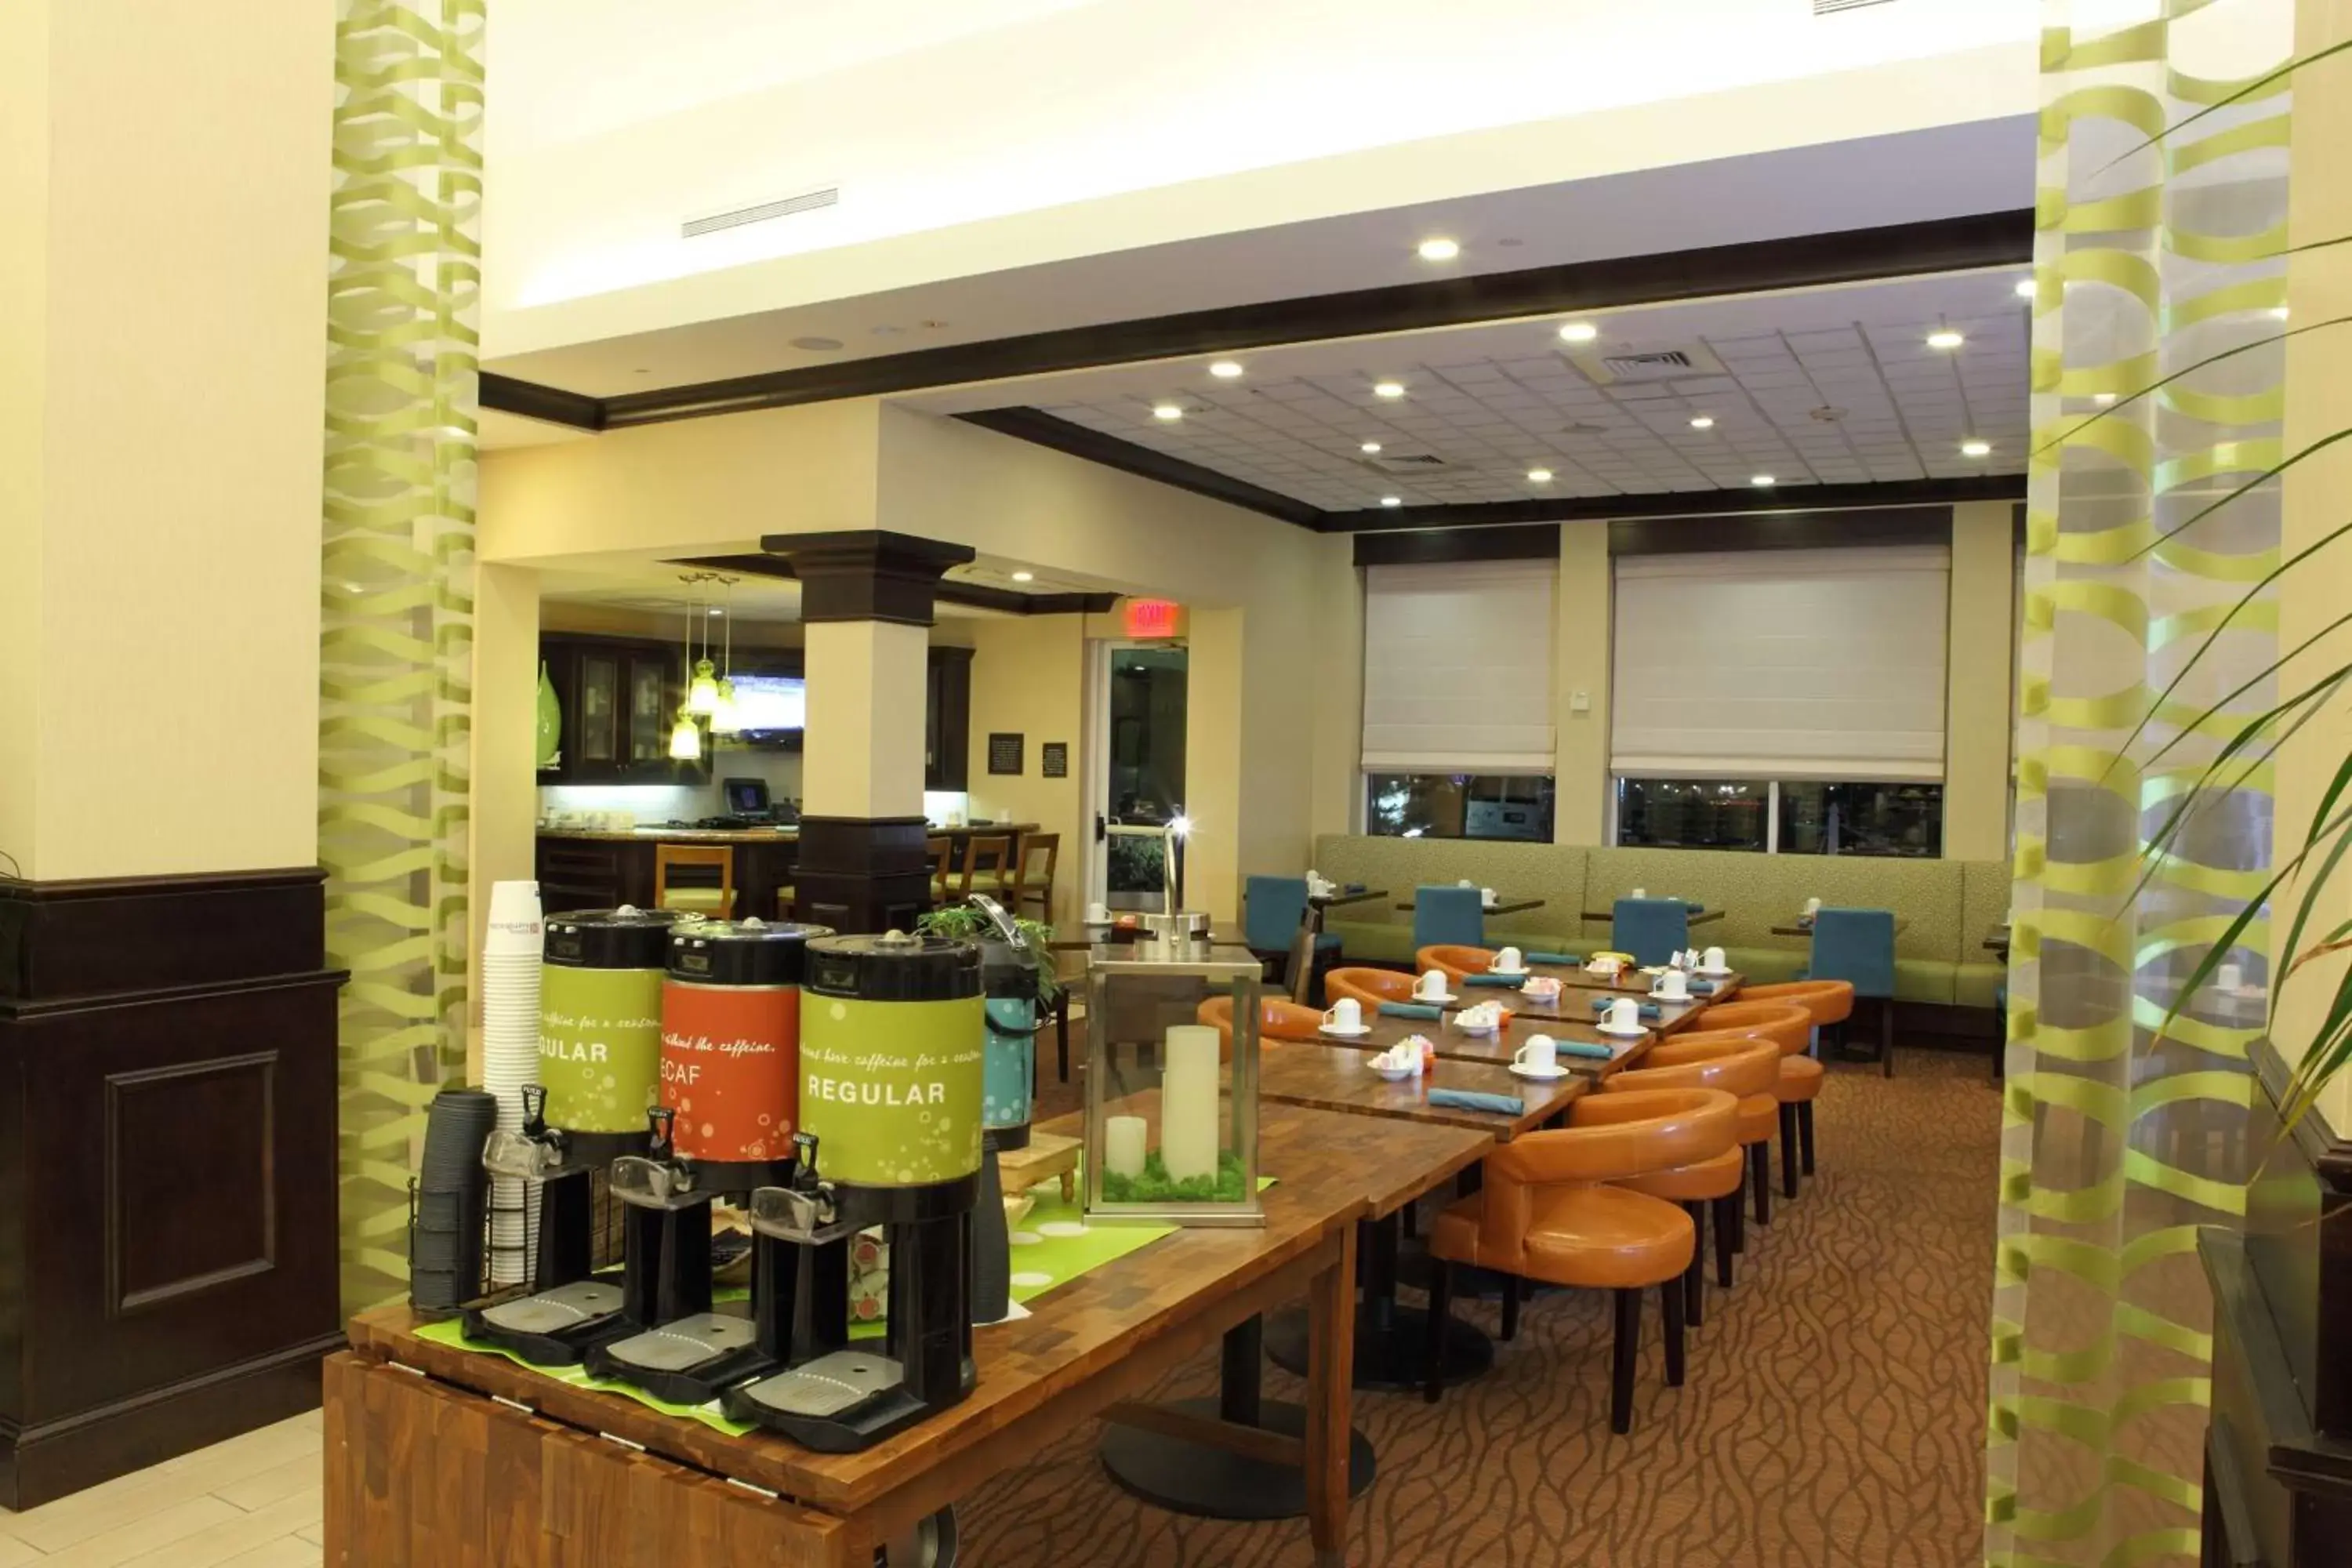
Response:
column 893, row 1033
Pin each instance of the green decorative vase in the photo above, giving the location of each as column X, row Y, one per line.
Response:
column 551, row 721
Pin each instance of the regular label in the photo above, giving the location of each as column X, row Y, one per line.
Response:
column 599, row 1047
column 892, row 1090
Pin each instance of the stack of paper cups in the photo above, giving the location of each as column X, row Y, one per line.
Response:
column 510, row 959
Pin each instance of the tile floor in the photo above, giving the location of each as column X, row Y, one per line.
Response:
column 250, row 1502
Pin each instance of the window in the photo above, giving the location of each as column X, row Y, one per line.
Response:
column 1901, row 819
column 1459, row 806
column 1785, row 816
column 1694, row 814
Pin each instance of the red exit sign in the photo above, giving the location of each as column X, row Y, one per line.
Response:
column 1154, row 618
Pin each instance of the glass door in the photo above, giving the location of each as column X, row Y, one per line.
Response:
column 1137, row 707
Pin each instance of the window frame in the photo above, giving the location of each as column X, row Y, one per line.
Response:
column 1615, row 826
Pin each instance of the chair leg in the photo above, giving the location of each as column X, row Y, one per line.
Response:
column 1695, row 1277
column 1628, row 1352
column 1511, row 1307
column 1759, row 1178
column 1805, row 1132
column 1670, row 1296
column 1412, row 1220
column 1062, row 1030
column 1789, row 1151
column 1726, row 1238
column 1886, row 1037
column 1440, row 1302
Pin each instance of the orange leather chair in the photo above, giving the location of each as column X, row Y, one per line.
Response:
column 1746, row 1069
column 1278, row 1020
column 1831, row 1001
column 1457, row 962
column 1370, row 987
column 1785, row 1025
column 1550, row 1211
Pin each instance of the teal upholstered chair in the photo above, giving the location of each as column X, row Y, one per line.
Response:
column 1448, row 916
column 1652, row 929
column 1858, row 946
column 1272, row 909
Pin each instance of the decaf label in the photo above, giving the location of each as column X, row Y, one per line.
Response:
column 599, row 1047
column 727, row 1069
column 892, row 1090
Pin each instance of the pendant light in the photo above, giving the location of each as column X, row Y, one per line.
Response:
column 685, row 736
column 723, row 720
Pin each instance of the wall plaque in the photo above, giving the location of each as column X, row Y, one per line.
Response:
column 1005, row 751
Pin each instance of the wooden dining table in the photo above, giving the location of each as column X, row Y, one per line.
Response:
column 1454, row 1044
column 1698, row 916
column 1501, row 906
column 1578, row 985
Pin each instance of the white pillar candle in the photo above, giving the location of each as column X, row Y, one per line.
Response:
column 1123, row 1145
column 1188, row 1102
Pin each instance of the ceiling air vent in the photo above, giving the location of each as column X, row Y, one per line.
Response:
column 811, row 201
column 1642, row 367
column 1826, row 8
column 1646, row 364
column 1406, row 462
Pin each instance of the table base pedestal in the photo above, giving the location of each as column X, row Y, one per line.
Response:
column 1212, row 1483
column 1391, row 1348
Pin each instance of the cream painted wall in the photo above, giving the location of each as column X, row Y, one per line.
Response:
column 177, row 399
column 1339, row 675
column 1582, row 646
column 1028, row 675
column 1978, row 677
column 2319, row 403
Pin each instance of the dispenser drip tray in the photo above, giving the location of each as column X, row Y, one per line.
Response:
column 554, row 1328
column 827, row 1385
column 687, row 1362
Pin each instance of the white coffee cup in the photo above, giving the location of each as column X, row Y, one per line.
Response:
column 1432, row 987
column 1640, row 893
column 1713, row 959
column 1623, row 1013
column 1488, row 896
column 1540, row 1054
column 2230, row 977
column 1510, row 961
column 1346, row 1012
column 1813, row 906
column 1466, row 882
column 1674, row 985
column 1098, row 914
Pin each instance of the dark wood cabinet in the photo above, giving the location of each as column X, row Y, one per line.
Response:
column 947, row 719
column 619, row 698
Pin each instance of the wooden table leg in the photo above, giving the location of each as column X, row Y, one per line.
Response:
column 1331, row 1359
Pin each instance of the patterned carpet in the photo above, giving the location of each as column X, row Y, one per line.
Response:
column 1834, row 1411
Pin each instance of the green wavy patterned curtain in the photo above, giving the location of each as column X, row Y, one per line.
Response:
column 396, row 629
column 2116, row 1148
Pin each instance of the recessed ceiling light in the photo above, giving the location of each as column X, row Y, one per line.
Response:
column 1370, row 446
column 1761, row 480
column 1976, row 448
column 1439, row 249
column 1702, row 421
column 1945, row 338
column 718, row 612
column 1538, row 476
column 2103, row 398
column 1579, row 332
column 817, row 345
column 1393, row 501
column 642, row 370
column 931, row 325
column 1387, row 389
column 1165, row 411
column 1024, row 576
column 1226, row 370
column 2026, row 288
column 2278, row 312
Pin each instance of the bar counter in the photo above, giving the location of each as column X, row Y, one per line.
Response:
column 602, row 869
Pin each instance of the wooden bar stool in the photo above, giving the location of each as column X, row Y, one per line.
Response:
column 987, row 863
column 1031, row 882
column 941, row 849
column 697, row 894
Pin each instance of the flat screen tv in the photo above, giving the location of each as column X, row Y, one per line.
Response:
column 771, row 710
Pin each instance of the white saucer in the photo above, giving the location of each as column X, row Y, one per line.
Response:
column 1712, row 974
column 1334, row 1029
column 1633, row 1034
column 1537, row 1074
column 1510, row 974
column 1429, row 1001
column 1675, row 1001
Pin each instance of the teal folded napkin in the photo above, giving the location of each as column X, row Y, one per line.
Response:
column 1464, row 1099
column 1409, row 1010
column 1552, row 958
column 1592, row 1049
column 1702, row 987
column 1513, row 982
column 1649, row 1009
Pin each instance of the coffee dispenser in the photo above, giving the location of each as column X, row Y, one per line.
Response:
column 599, row 1059
column 729, row 1063
column 891, row 1052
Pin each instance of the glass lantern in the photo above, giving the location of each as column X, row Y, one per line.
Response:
column 1171, row 1108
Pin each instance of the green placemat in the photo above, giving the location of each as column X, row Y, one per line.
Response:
column 453, row 1334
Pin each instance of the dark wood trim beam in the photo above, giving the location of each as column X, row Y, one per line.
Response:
column 533, row 401
column 1782, row 531
column 1535, row 542
column 950, row 590
column 1128, row 457
column 1802, row 261
column 1681, row 503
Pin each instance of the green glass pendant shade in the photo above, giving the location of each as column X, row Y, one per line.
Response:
column 551, row 721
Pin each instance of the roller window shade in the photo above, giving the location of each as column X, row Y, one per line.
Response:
column 1458, row 667
column 1781, row 664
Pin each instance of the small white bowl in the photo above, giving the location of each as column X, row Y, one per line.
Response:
column 1394, row 1075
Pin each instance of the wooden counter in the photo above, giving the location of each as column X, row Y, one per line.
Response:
column 440, row 1456
column 598, row 868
